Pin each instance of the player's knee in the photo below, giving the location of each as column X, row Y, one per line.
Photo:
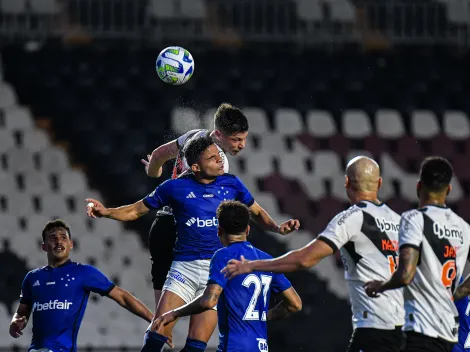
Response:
column 193, row 345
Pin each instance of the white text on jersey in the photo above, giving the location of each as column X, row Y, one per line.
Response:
column 202, row 222
column 385, row 225
column 51, row 305
column 442, row 231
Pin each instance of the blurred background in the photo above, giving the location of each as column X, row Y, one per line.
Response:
column 321, row 81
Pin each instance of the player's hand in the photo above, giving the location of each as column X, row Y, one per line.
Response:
column 163, row 320
column 373, row 288
column 146, row 163
column 237, row 267
column 16, row 326
column 289, row 226
column 95, row 209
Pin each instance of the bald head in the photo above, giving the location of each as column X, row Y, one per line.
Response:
column 363, row 174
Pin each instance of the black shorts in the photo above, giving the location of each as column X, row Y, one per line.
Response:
column 376, row 340
column 416, row 342
column 161, row 241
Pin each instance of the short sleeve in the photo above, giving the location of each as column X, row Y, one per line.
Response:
column 218, row 262
column 160, row 196
column 26, row 296
column 340, row 229
column 411, row 230
column 280, row 283
column 96, row 281
column 182, row 139
column 243, row 194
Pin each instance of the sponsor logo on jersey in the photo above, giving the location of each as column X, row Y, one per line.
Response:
column 347, row 214
column 209, row 195
column 191, row 195
column 36, row 283
column 51, row 305
column 175, row 274
column 50, row 283
column 262, row 345
column 385, row 225
column 203, row 223
column 442, row 231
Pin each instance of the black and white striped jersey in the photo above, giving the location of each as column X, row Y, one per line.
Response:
column 443, row 239
column 367, row 236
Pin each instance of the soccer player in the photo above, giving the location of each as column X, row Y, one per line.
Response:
column 194, row 199
column 434, row 244
column 229, row 134
column 57, row 295
column 242, row 303
column 462, row 302
column 367, row 236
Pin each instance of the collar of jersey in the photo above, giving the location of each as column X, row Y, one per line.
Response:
column 204, row 184
column 238, row 242
column 434, row 205
column 368, row 201
column 68, row 262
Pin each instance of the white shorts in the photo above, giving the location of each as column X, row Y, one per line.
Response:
column 188, row 279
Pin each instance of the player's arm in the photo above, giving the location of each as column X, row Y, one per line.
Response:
column 410, row 235
column 291, row 303
column 165, row 152
column 299, row 259
column 403, row 276
column 129, row 212
column 129, row 302
column 20, row 320
column 207, row 301
column 262, row 218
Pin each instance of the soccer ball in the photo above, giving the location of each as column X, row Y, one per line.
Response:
column 175, row 65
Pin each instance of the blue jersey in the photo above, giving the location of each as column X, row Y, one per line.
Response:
column 463, row 306
column 243, row 304
column 58, row 299
column 194, row 207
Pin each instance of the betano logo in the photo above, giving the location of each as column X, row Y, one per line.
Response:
column 51, row 305
column 202, row 222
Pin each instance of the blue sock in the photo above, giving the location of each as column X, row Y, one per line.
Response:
column 153, row 342
column 194, row 346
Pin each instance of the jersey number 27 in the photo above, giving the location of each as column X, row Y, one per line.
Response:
column 260, row 284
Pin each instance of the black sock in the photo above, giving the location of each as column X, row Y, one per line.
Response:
column 194, row 346
column 153, row 342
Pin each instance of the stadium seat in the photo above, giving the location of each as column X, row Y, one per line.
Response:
column 326, row 164
column 354, row 153
column 456, row 125
column 44, row 7
column 342, row 11
column 10, row 224
column 20, row 204
column 268, row 202
column 34, row 140
column 17, row 118
column 184, row 119
column 424, row 124
column 257, row 120
column 309, row 10
column 12, row 7
column 53, row 159
column 259, row 164
column 36, row 183
column 273, row 143
column 72, row 182
column 53, row 204
column 194, row 9
column 356, row 124
column 19, row 160
column 321, row 124
column 7, row 140
column 389, row 124
column 288, row 121
column 408, row 187
column 8, row 183
column 338, row 190
column 292, row 165
column 313, row 186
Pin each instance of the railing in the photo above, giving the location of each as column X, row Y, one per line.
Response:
column 298, row 21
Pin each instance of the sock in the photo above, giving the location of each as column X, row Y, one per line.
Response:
column 194, row 346
column 153, row 342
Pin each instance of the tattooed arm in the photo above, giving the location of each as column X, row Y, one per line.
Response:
column 407, row 263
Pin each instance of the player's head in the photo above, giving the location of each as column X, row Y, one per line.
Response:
column 204, row 158
column 362, row 178
column 435, row 177
column 57, row 240
column 230, row 128
column 234, row 220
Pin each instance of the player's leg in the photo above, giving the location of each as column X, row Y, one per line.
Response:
column 161, row 240
column 201, row 326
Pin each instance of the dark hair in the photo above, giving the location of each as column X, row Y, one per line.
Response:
column 233, row 217
column 196, row 147
column 436, row 173
column 230, row 120
column 54, row 224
